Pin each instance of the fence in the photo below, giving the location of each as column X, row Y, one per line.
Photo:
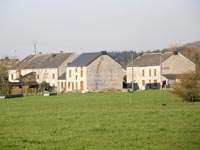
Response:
column 24, row 90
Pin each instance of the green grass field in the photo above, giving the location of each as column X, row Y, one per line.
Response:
column 147, row 120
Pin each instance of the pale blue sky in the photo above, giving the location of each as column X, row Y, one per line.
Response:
column 95, row 25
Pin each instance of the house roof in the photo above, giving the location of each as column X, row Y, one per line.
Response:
column 150, row 59
column 172, row 76
column 40, row 61
column 23, row 62
column 9, row 63
column 62, row 77
column 85, row 59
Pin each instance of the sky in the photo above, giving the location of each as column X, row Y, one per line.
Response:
column 96, row 25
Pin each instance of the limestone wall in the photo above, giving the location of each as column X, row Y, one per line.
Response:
column 177, row 64
column 104, row 73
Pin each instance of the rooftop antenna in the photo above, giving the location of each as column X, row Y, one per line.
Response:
column 35, row 45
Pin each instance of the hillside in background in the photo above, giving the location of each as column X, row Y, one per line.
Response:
column 193, row 45
column 124, row 57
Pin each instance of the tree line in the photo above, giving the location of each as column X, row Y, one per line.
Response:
column 125, row 57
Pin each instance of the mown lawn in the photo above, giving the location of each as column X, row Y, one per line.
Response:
column 147, row 120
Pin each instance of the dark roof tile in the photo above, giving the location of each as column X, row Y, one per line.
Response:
column 172, row 76
column 150, row 59
column 40, row 61
column 85, row 59
column 62, row 77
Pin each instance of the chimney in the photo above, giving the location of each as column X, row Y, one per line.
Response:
column 175, row 52
column 104, row 52
column 54, row 55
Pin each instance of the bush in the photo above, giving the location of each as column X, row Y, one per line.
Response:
column 189, row 87
column 44, row 86
column 4, row 89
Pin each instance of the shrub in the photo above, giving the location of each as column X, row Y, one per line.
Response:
column 44, row 86
column 4, row 89
column 189, row 87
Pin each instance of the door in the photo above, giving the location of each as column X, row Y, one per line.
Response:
column 72, row 86
column 81, row 85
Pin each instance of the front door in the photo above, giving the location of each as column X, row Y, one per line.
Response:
column 81, row 85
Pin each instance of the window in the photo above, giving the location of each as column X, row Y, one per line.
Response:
column 68, row 85
column 12, row 77
column 76, row 77
column 76, row 70
column 143, row 82
column 38, row 77
column 45, row 75
column 149, row 72
column 81, row 72
column 154, row 72
column 70, row 73
column 81, row 85
column 53, row 76
column 155, row 82
column 143, row 72
column 76, row 85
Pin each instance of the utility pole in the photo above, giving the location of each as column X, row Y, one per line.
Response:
column 132, row 73
column 161, row 70
column 35, row 46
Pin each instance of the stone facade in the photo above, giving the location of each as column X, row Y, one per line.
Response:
column 101, row 74
column 177, row 64
column 147, row 76
column 104, row 73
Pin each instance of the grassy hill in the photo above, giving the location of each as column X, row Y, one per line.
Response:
column 153, row 120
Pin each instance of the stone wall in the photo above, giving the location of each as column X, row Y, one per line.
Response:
column 104, row 73
column 178, row 64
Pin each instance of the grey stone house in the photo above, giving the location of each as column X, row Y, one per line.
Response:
column 94, row 72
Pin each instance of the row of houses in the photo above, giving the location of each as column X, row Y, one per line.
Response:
column 158, row 70
column 97, row 71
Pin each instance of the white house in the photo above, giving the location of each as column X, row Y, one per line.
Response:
column 48, row 67
column 156, row 70
column 62, row 83
column 94, row 72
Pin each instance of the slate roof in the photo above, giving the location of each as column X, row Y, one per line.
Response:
column 62, row 77
column 150, row 59
column 22, row 63
column 172, row 76
column 85, row 59
column 9, row 63
column 41, row 61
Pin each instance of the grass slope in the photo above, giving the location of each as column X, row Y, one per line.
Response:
column 100, row 121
